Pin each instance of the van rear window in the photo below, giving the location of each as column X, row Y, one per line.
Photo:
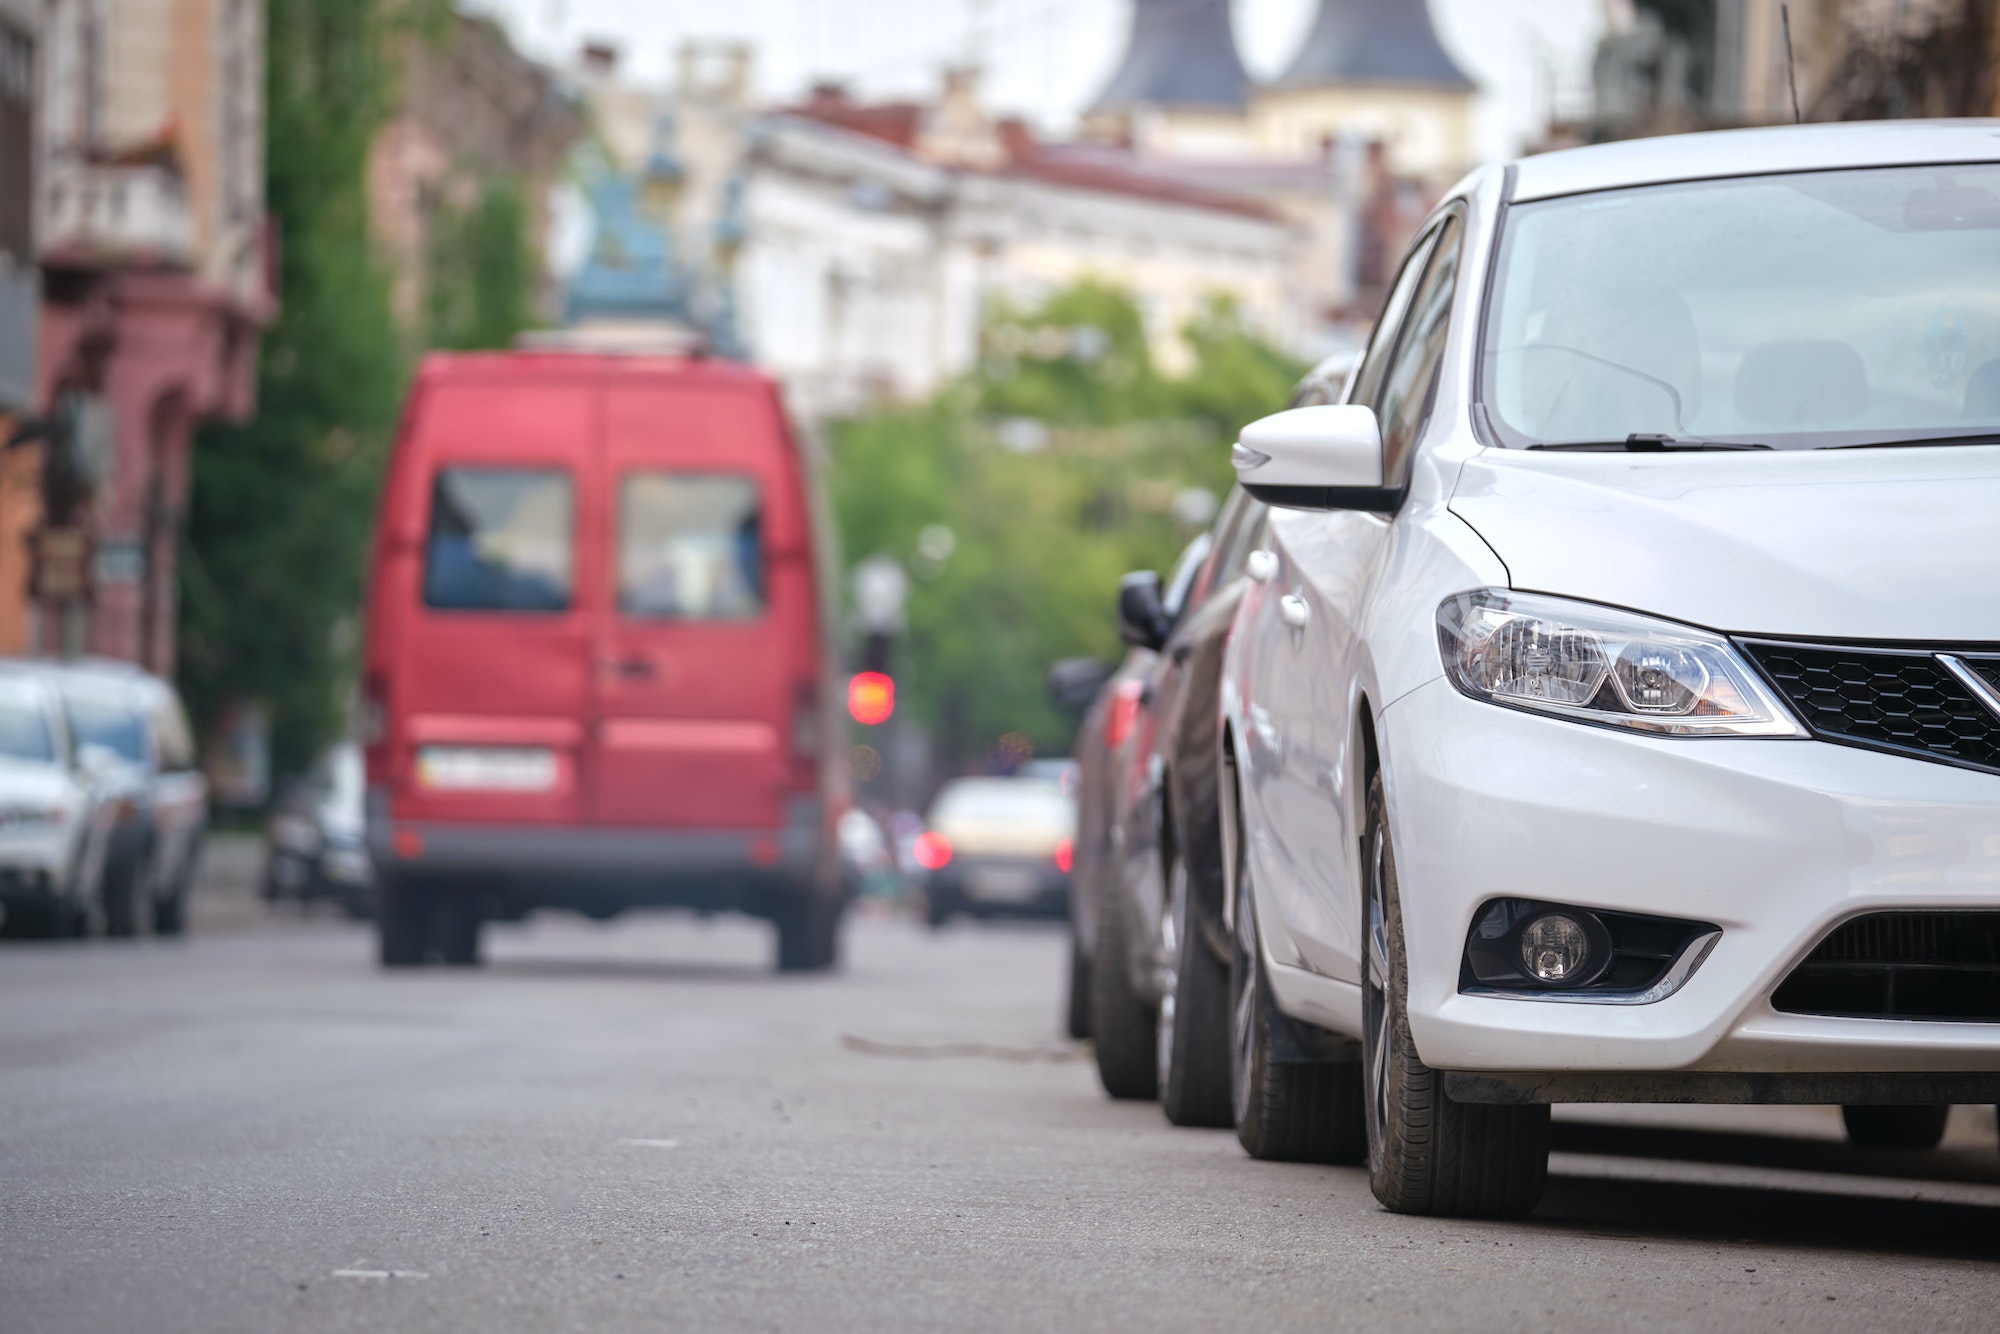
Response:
column 500, row 540
column 689, row 547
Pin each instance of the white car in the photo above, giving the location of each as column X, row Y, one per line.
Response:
column 137, row 719
column 57, row 815
column 1616, row 715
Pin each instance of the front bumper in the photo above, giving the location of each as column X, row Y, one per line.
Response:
column 33, row 861
column 1773, row 841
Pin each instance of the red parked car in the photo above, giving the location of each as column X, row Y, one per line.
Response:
column 597, row 657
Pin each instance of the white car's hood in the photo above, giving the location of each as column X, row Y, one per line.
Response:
column 33, row 783
column 1851, row 544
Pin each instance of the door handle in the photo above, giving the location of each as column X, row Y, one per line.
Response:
column 631, row 669
column 1261, row 565
column 1292, row 610
column 1179, row 653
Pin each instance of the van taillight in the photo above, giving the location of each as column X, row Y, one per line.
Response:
column 806, row 739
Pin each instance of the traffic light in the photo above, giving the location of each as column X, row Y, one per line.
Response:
column 871, row 697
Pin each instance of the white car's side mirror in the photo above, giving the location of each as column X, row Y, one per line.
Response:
column 1323, row 458
column 95, row 760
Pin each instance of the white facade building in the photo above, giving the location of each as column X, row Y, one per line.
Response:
column 869, row 272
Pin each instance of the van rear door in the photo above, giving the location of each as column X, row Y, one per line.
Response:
column 697, row 644
column 492, row 681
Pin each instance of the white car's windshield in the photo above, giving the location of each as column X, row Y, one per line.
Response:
column 1797, row 311
column 24, row 730
column 109, row 723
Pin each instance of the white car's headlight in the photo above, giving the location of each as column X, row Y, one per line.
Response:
column 1598, row 665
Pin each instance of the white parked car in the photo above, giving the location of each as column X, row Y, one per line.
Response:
column 59, row 807
column 138, row 719
column 1617, row 713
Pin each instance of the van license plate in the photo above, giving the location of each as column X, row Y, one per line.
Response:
column 486, row 769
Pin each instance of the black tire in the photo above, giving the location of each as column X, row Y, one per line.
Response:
column 1121, row 1022
column 456, row 925
column 1076, row 1011
column 403, row 924
column 1896, row 1127
column 1285, row 1111
column 809, row 933
column 170, row 913
column 1426, row 1153
column 34, row 921
column 1191, row 1033
column 122, row 896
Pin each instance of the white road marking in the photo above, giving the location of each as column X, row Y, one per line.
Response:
column 653, row 1143
column 378, row 1273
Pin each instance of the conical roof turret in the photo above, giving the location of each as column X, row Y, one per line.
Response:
column 1374, row 41
column 1181, row 53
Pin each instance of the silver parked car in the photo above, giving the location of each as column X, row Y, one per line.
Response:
column 137, row 718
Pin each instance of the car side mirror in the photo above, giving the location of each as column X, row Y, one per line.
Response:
column 1074, row 682
column 95, row 761
column 1320, row 458
column 1142, row 617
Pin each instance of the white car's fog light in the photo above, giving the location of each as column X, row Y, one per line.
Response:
column 1529, row 950
column 1555, row 949
column 1596, row 664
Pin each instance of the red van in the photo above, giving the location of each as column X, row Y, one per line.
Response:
column 597, row 655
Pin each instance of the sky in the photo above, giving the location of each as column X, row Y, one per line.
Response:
column 1046, row 59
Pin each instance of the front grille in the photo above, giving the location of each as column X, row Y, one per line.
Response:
column 1901, row 965
column 1901, row 700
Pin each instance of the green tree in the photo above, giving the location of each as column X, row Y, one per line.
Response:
column 282, row 505
column 1044, row 519
column 481, row 271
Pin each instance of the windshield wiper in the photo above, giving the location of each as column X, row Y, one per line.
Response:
column 1642, row 442
column 1974, row 438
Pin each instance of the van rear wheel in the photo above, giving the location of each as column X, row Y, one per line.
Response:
column 460, row 914
column 808, row 933
column 403, row 920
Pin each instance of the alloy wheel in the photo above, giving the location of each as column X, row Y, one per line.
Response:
column 1246, row 981
column 1173, row 921
column 1377, row 1020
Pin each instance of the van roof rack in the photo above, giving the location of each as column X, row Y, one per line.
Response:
column 613, row 338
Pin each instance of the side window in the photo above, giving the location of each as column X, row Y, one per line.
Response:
column 1403, row 403
column 1368, row 376
column 1242, row 523
column 690, row 547
column 1185, row 569
column 173, row 736
column 500, row 540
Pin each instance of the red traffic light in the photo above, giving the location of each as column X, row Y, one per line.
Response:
column 871, row 697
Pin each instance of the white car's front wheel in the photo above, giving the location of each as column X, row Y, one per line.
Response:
column 1426, row 1153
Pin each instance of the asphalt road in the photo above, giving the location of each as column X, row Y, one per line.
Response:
column 638, row 1126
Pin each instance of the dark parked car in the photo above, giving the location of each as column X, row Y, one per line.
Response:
column 316, row 842
column 1100, row 739
column 1161, row 949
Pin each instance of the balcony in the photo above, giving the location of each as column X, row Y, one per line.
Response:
column 98, row 213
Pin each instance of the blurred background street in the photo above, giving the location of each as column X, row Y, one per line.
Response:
column 639, row 1126
column 302, row 692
